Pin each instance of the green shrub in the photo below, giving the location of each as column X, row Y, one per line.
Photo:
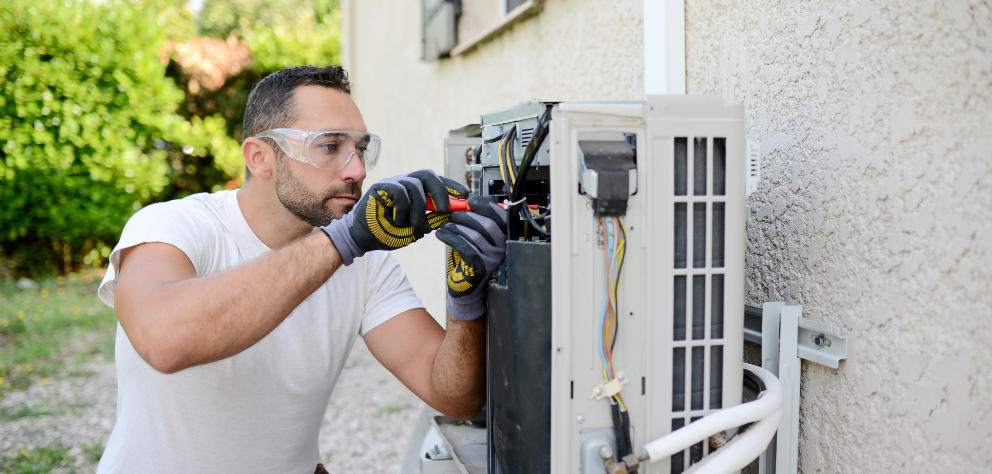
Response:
column 277, row 34
column 87, row 118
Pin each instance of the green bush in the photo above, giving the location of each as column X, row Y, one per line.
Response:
column 87, row 118
column 277, row 34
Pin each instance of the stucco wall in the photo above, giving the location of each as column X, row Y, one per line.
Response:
column 575, row 49
column 875, row 212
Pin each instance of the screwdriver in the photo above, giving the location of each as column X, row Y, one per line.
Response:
column 462, row 205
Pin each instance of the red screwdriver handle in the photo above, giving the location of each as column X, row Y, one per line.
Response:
column 458, row 204
column 455, row 203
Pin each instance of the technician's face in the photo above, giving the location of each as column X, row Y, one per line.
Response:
column 314, row 195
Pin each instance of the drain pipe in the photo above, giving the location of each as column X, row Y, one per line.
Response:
column 664, row 47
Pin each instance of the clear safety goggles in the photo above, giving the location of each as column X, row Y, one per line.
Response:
column 326, row 149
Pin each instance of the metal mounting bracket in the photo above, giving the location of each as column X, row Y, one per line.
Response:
column 822, row 343
column 786, row 338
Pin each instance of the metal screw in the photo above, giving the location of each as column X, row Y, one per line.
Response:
column 605, row 452
column 820, row 340
column 598, row 391
column 621, row 377
column 580, row 419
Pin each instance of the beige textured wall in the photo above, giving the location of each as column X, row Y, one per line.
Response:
column 573, row 49
column 875, row 212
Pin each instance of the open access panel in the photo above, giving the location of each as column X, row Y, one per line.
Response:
column 616, row 317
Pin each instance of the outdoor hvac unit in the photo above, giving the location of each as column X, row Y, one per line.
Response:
column 616, row 318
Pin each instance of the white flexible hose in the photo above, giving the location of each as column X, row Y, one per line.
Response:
column 768, row 403
column 741, row 450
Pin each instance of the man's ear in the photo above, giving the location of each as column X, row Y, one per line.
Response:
column 259, row 157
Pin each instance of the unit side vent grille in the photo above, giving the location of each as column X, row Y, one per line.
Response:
column 699, row 215
column 525, row 135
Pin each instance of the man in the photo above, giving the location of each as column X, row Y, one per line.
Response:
column 236, row 314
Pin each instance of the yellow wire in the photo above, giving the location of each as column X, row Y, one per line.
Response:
column 621, row 250
column 502, row 171
column 509, row 163
column 603, row 328
column 609, row 323
column 618, row 258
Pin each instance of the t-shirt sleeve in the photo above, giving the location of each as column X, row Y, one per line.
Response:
column 173, row 223
column 390, row 292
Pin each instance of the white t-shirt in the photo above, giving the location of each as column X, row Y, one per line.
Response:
column 261, row 409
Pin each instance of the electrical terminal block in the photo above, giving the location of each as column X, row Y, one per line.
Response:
column 610, row 388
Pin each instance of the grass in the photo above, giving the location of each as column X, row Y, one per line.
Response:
column 42, row 459
column 92, row 451
column 393, row 408
column 42, row 329
column 10, row 414
column 52, row 330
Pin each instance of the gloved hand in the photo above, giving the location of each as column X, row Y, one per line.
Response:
column 393, row 214
column 476, row 245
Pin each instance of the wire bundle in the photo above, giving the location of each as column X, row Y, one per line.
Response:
column 506, row 164
column 506, row 161
column 614, row 244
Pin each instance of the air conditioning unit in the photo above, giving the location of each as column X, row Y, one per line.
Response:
column 616, row 318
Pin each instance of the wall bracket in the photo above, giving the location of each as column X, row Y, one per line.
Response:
column 786, row 338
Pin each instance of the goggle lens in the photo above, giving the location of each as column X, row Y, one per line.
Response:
column 335, row 149
column 327, row 149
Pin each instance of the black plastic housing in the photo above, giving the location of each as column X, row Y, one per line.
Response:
column 518, row 352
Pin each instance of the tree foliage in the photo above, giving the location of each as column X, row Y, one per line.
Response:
column 87, row 118
column 277, row 34
column 97, row 119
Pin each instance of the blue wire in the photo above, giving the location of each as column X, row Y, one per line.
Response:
column 606, row 297
column 602, row 318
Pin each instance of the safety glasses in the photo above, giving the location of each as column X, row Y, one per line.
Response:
column 326, row 149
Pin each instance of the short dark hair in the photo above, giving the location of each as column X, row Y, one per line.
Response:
column 270, row 102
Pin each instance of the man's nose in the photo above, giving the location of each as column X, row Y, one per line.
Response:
column 354, row 169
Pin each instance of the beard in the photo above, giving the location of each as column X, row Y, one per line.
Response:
column 308, row 206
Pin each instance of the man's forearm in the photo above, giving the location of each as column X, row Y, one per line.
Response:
column 458, row 376
column 198, row 320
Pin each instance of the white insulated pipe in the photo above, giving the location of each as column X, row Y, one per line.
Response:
column 766, row 407
column 741, row 450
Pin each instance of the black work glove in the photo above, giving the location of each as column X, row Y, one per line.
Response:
column 476, row 246
column 393, row 214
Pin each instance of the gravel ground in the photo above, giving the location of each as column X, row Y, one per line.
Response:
column 365, row 429
column 369, row 419
column 73, row 411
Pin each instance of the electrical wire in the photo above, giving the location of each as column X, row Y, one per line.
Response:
column 614, row 243
column 621, row 248
column 529, row 216
column 504, row 158
column 543, row 125
column 502, row 166
column 510, row 137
